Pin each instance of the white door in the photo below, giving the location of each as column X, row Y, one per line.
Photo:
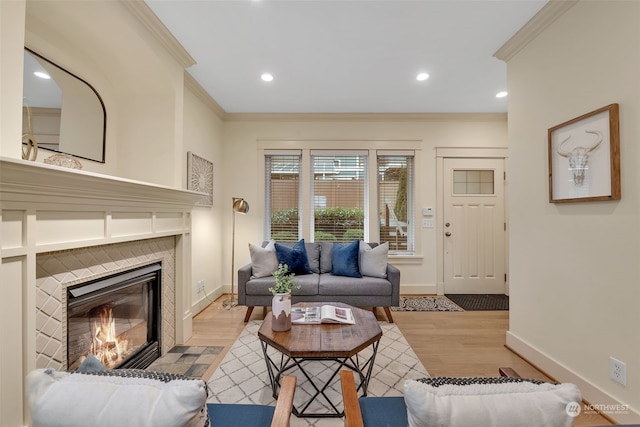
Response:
column 474, row 226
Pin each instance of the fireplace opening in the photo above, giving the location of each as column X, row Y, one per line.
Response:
column 116, row 318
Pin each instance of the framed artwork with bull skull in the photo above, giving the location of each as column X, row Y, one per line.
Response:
column 584, row 158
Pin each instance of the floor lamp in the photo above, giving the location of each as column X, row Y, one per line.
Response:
column 240, row 205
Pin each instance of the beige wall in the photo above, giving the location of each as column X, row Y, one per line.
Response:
column 243, row 167
column 574, row 267
column 140, row 83
column 202, row 136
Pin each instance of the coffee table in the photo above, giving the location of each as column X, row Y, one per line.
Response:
column 304, row 344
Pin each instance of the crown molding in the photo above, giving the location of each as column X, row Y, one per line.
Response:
column 363, row 117
column 195, row 87
column 148, row 19
column 536, row 25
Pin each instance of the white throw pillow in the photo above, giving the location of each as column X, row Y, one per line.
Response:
column 107, row 399
column 264, row 261
column 489, row 402
column 373, row 261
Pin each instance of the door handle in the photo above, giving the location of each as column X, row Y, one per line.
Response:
column 447, row 234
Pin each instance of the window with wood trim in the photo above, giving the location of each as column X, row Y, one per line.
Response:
column 282, row 199
column 395, row 201
column 339, row 190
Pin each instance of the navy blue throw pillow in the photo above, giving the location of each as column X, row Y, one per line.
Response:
column 344, row 259
column 295, row 257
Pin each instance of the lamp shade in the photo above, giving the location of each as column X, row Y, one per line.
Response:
column 240, row 205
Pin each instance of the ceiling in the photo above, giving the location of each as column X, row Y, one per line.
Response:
column 348, row 56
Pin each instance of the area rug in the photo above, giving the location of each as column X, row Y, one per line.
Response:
column 480, row 302
column 242, row 375
column 435, row 303
column 190, row 361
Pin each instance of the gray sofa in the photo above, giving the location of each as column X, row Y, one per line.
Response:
column 322, row 286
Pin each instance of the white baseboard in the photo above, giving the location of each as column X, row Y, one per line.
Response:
column 418, row 289
column 597, row 399
column 203, row 302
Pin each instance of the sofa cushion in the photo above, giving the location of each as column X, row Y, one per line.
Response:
column 326, row 248
column 313, row 256
column 373, row 261
column 120, row 397
column 260, row 286
column 343, row 285
column 344, row 259
column 295, row 257
column 264, row 261
column 503, row 401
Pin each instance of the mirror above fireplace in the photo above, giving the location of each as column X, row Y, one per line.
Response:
column 66, row 113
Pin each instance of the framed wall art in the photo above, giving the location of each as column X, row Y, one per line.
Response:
column 584, row 158
column 200, row 177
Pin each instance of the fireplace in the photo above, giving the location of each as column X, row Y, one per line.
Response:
column 116, row 318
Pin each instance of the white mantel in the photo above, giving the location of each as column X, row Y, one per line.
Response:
column 73, row 208
column 46, row 208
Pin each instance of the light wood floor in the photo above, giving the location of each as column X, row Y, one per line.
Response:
column 469, row 343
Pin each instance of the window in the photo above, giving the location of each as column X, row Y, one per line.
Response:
column 473, row 181
column 283, row 197
column 339, row 188
column 395, row 201
column 345, row 198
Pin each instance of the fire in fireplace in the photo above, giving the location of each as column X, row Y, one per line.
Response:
column 116, row 318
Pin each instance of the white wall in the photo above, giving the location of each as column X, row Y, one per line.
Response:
column 243, row 167
column 574, row 267
column 202, row 136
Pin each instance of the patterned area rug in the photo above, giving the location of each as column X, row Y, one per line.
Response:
column 242, row 375
column 435, row 303
column 191, row 361
column 480, row 302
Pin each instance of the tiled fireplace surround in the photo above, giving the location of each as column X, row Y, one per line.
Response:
column 56, row 271
column 59, row 227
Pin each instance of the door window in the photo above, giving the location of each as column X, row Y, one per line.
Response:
column 467, row 181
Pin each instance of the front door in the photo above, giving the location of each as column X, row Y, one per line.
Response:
column 474, row 226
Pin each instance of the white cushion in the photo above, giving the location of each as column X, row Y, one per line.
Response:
column 106, row 399
column 489, row 402
column 264, row 261
column 373, row 261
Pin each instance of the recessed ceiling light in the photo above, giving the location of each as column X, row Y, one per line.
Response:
column 42, row 75
column 422, row 77
column 266, row 77
column 501, row 94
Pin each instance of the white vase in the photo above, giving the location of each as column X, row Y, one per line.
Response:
column 281, row 312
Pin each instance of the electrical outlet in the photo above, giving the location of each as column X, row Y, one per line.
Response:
column 618, row 371
column 200, row 285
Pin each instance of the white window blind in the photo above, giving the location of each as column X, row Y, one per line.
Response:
column 339, row 184
column 395, row 202
column 282, row 190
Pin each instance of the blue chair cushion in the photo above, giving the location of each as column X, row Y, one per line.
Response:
column 234, row 415
column 384, row 411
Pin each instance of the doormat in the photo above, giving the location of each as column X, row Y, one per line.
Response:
column 435, row 303
column 480, row 302
column 188, row 360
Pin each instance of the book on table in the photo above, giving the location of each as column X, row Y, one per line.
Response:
column 321, row 314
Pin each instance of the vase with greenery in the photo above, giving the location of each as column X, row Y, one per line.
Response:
column 281, row 302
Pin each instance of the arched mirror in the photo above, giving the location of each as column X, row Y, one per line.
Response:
column 63, row 112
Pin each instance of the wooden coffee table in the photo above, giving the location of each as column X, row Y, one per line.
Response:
column 304, row 344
